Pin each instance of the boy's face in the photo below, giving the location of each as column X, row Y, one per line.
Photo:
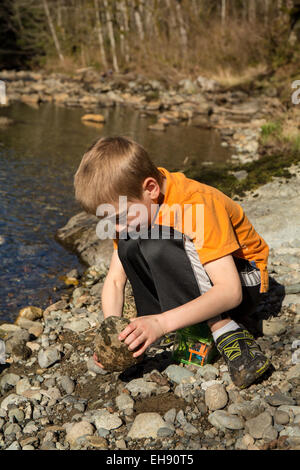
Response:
column 137, row 213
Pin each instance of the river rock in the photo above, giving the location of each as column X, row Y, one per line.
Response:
column 146, row 425
column 47, row 357
column 178, row 374
column 221, row 419
column 77, row 430
column 256, row 427
column 216, row 397
column 112, row 353
column 31, row 313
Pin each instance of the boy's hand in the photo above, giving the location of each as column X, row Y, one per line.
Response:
column 96, row 361
column 142, row 330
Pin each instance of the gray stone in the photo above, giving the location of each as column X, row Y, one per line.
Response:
column 295, row 409
column 78, row 430
column 165, row 432
column 146, row 425
column 66, row 384
column 141, row 386
column 279, row 399
column 273, row 327
column 112, row 353
column 246, row 409
column 256, row 426
column 223, row 420
column 77, row 325
column 178, row 374
column 124, row 401
column 293, row 373
column 216, row 397
column 12, row 399
column 8, row 380
column 48, row 357
column 281, row 417
column 170, row 416
column 107, row 420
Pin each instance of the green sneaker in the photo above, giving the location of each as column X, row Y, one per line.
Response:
column 243, row 356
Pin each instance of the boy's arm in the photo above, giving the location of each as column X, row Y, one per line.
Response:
column 113, row 288
column 225, row 294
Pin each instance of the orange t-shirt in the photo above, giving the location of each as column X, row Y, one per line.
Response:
column 215, row 223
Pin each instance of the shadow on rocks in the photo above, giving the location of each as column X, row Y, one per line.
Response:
column 159, row 362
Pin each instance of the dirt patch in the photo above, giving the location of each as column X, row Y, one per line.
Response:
column 159, row 403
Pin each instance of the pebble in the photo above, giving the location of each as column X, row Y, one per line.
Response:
column 216, row 397
column 146, row 425
column 48, row 357
column 77, row 430
column 177, row 374
column 257, row 426
column 221, row 419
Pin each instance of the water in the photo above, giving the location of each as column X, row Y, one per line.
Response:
column 39, row 155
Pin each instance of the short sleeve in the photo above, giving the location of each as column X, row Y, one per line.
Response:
column 215, row 236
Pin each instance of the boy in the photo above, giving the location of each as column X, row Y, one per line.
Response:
column 189, row 252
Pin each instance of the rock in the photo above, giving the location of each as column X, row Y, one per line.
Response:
column 107, row 420
column 273, row 327
column 257, row 426
column 216, row 397
column 146, row 425
column 30, row 313
column 223, row 420
column 66, row 384
column 93, row 117
column 158, row 126
column 141, row 386
column 48, row 357
column 97, row 441
column 112, row 353
column 79, row 234
column 278, row 399
column 178, row 374
column 293, row 373
column 281, row 417
column 124, row 401
column 8, row 381
column 22, row 385
column 14, row 399
column 246, row 409
column 21, row 351
column 77, row 325
column 77, row 430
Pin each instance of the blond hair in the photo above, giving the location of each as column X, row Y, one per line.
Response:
column 113, row 166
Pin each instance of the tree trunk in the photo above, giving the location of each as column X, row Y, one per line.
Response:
column 99, row 34
column 182, row 30
column 53, row 32
column 223, row 12
column 111, row 36
column 138, row 21
column 124, row 11
column 251, row 11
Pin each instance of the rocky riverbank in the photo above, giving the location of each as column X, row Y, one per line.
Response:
column 204, row 103
column 53, row 396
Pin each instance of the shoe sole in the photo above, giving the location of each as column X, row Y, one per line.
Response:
column 258, row 373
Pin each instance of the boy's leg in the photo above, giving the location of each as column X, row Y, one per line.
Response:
column 165, row 272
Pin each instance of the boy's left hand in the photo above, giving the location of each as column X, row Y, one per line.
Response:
column 142, row 330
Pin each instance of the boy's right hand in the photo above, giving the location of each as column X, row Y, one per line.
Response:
column 96, row 361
